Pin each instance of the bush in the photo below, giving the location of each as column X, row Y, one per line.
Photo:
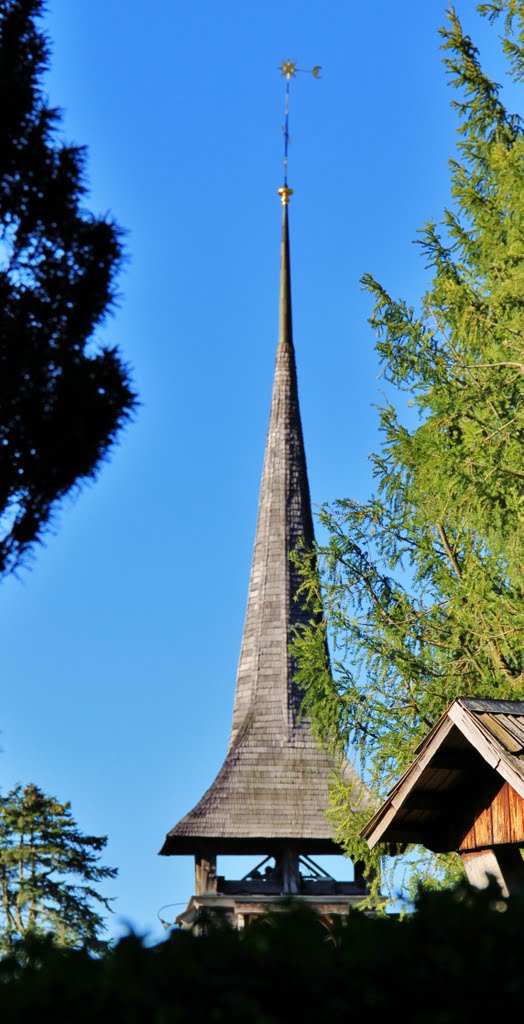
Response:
column 459, row 956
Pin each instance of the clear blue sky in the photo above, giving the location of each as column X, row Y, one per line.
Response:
column 120, row 646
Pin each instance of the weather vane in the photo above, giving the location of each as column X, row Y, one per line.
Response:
column 288, row 69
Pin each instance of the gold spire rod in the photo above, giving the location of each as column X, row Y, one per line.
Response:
column 289, row 69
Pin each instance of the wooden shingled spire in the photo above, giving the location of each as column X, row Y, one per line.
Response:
column 273, row 785
column 271, row 795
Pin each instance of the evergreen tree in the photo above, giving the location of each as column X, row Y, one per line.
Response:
column 424, row 583
column 62, row 401
column 48, row 870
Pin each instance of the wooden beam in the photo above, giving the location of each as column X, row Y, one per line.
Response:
column 205, row 874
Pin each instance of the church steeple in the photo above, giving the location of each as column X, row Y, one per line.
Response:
column 271, row 794
column 273, row 785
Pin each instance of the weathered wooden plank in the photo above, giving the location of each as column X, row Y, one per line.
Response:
column 516, row 816
column 205, row 874
column 470, row 841
column 515, row 725
column 502, row 729
column 500, row 816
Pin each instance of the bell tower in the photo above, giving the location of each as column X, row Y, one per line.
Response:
column 271, row 795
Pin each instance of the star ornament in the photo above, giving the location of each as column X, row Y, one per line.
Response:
column 288, row 68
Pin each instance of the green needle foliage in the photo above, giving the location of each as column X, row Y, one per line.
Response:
column 423, row 585
column 48, row 873
column 63, row 399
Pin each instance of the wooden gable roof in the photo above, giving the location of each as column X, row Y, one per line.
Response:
column 465, row 788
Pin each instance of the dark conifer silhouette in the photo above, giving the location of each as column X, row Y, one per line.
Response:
column 63, row 399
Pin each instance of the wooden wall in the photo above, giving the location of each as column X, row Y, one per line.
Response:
column 502, row 821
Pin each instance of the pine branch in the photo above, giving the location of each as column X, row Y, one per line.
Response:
column 449, row 551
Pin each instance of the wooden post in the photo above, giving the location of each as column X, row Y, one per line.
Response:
column 288, row 863
column 359, row 877
column 205, row 874
column 503, row 863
